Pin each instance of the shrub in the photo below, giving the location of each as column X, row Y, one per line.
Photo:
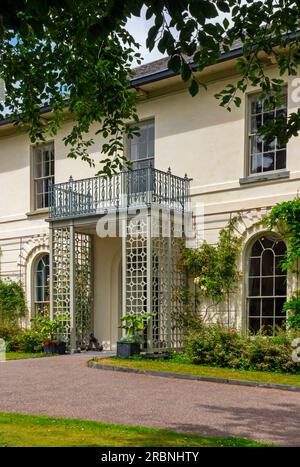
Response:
column 292, row 307
column 217, row 346
column 18, row 339
column 8, row 330
column 12, row 301
column 30, row 341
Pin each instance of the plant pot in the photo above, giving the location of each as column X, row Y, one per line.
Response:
column 125, row 349
column 55, row 347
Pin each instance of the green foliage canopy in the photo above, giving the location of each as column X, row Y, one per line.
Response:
column 78, row 53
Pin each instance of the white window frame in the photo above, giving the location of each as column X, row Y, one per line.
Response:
column 151, row 159
column 261, row 296
column 43, row 177
column 40, row 304
column 251, row 134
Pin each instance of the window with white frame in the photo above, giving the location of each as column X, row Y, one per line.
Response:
column 264, row 157
column 43, row 173
column 267, row 287
column 140, row 149
column 41, row 286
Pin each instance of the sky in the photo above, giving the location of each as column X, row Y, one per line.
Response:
column 138, row 28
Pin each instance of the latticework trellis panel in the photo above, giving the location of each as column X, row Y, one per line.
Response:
column 83, row 281
column 136, row 265
column 61, row 275
column 178, row 280
column 166, row 280
column 152, row 277
column 83, row 287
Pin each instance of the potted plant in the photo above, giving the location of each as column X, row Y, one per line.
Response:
column 51, row 330
column 133, row 324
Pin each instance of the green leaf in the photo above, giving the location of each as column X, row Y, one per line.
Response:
column 223, row 6
column 149, row 12
column 194, row 88
column 225, row 23
column 152, row 34
column 208, row 9
column 174, row 63
column 185, row 71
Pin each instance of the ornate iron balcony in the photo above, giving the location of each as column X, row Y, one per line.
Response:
column 137, row 188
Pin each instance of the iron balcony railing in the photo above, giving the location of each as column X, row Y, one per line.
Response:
column 136, row 188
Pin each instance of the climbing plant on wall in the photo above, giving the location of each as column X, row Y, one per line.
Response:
column 213, row 269
column 12, row 301
column 285, row 218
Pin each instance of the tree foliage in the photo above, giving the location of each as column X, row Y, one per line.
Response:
column 78, row 53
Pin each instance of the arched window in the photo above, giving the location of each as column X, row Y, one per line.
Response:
column 41, row 286
column 266, row 285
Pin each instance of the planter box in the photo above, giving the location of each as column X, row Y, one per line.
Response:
column 125, row 350
column 54, row 347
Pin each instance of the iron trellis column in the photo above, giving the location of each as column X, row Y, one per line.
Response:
column 51, row 282
column 72, row 290
column 149, row 280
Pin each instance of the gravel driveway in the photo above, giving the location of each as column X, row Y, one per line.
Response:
column 63, row 386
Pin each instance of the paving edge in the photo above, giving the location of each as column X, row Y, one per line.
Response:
column 208, row 379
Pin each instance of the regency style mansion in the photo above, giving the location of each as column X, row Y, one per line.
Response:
column 54, row 212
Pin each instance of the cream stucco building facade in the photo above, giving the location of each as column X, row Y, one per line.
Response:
column 192, row 136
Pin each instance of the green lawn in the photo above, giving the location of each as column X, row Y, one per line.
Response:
column 32, row 431
column 201, row 370
column 22, row 355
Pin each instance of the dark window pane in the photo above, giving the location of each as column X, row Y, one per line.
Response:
column 256, row 249
column 256, row 164
column 38, row 170
column 37, row 155
column 281, row 159
column 268, row 147
column 267, row 307
column 254, row 325
column 255, row 123
column 268, row 162
column 39, row 201
column 267, row 242
column 267, row 262
column 268, row 325
column 279, row 302
column 254, row 287
column 39, row 278
column 46, row 199
column 280, row 323
column 256, row 144
column 268, row 116
column 278, row 267
column 280, row 285
column 279, row 247
column 254, row 269
column 256, row 105
column 267, row 287
column 254, row 307
column 39, row 184
column 39, row 294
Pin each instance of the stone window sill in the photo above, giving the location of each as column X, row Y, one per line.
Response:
column 264, row 177
column 38, row 213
